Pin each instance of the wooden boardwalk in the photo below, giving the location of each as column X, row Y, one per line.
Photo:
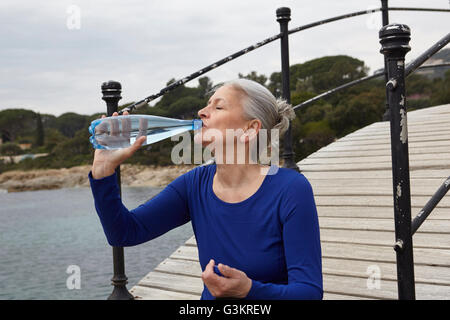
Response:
column 352, row 183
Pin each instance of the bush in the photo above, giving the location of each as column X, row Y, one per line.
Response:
column 10, row 149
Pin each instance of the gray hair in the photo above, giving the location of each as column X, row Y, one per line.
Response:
column 259, row 103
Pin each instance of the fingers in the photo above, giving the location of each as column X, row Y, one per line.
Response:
column 138, row 143
column 135, row 146
column 209, row 273
column 228, row 271
column 210, row 266
column 115, row 114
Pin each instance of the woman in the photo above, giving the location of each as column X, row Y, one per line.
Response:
column 260, row 229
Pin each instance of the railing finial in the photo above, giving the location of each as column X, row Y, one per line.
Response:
column 283, row 14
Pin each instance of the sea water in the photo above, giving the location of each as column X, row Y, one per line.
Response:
column 45, row 234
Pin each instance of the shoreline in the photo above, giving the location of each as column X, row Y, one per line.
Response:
column 48, row 179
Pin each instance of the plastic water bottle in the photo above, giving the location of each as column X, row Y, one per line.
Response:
column 122, row 131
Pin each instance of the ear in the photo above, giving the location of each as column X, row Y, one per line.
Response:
column 248, row 135
column 255, row 124
column 251, row 132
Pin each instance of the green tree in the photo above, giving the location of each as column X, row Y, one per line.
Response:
column 205, row 86
column 357, row 111
column 441, row 92
column 17, row 122
column 186, row 107
column 69, row 123
column 53, row 138
column 261, row 79
column 39, row 131
column 10, row 149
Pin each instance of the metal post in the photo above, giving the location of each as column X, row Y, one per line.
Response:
column 394, row 39
column 385, row 22
column 111, row 94
column 283, row 17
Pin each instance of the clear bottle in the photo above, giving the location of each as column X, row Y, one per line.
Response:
column 122, row 131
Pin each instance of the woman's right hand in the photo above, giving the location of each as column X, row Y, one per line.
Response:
column 106, row 161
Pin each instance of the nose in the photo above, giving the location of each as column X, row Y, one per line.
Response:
column 202, row 113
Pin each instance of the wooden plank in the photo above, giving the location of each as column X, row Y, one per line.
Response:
column 388, row 289
column 385, row 132
column 387, row 140
column 368, row 224
column 414, row 165
column 342, row 267
column 181, row 267
column 376, row 212
column 145, row 293
column 425, row 158
column 370, row 153
column 350, row 147
column 356, row 182
column 418, row 122
column 437, row 119
column 432, row 110
column 375, row 174
column 334, row 296
column 173, row 282
column 413, row 131
column 382, row 238
column 381, row 201
column 191, row 241
column 386, row 136
column 336, row 282
column 386, row 271
column 368, row 191
column 422, row 256
column 185, row 253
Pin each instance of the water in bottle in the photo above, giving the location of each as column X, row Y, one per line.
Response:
column 122, row 131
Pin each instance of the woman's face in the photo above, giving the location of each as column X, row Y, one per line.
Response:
column 224, row 111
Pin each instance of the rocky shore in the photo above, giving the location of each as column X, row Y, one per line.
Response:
column 131, row 175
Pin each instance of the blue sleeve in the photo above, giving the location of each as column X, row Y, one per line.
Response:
column 301, row 239
column 122, row 227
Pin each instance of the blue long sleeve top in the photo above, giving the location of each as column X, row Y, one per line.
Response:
column 272, row 236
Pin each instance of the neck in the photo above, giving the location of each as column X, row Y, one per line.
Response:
column 235, row 175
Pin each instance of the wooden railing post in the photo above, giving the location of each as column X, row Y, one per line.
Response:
column 394, row 39
column 111, row 91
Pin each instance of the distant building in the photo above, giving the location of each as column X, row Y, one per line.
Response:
column 25, row 146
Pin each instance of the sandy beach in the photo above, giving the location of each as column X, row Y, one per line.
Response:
column 131, row 175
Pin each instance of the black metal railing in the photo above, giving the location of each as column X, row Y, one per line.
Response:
column 394, row 39
column 112, row 90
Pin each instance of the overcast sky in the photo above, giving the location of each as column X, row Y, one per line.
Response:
column 52, row 62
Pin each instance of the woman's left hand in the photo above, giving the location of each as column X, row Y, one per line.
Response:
column 234, row 284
